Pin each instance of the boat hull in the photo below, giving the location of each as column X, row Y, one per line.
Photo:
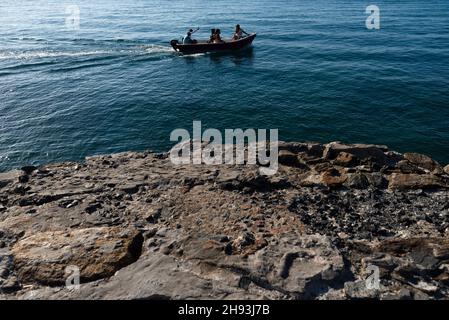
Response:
column 203, row 47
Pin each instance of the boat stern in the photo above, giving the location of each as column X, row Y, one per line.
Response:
column 174, row 43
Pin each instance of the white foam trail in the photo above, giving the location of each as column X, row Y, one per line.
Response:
column 193, row 55
column 157, row 49
column 47, row 54
column 25, row 55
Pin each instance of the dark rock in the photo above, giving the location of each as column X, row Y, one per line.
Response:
column 154, row 215
column 377, row 180
column 446, row 169
column 92, row 207
column 361, row 151
column 8, row 281
column 130, row 188
column 293, row 147
column 315, row 150
column 357, row 180
column 406, row 166
column 228, row 249
column 228, row 179
column 306, row 152
column 424, row 162
column 150, row 233
column 288, row 158
column 24, row 179
column 245, row 239
column 224, row 239
column 416, row 181
column 28, row 169
column 345, row 159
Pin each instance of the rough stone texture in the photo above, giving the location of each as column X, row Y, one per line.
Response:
column 8, row 281
column 98, row 253
column 446, row 169
column 416, row 181
column 424, row 162
column 140, row 227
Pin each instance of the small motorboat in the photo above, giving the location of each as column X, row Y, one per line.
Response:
column 204, row 46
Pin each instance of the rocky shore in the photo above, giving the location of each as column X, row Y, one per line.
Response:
column 139, row 227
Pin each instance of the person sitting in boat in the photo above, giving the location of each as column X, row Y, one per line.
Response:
column 188, row 38
column 238, row 34
column 217, row 37
column 212, row 36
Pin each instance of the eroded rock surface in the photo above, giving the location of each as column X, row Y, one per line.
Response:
column 98, row 252
column 139, row 227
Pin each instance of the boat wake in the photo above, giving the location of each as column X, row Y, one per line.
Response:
column 157, row 49
column 27, row 55
column 194, row 55
column 80, row 54
column 36, row 54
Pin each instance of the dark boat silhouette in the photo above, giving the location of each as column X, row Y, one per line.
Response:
column 204, row 46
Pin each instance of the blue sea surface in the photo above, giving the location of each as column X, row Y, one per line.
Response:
column 315, row 72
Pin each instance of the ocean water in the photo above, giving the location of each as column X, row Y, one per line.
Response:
column 315, row 72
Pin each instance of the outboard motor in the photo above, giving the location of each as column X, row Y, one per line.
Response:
column 174, row 44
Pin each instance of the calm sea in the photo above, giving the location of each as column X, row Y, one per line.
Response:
column 315, row 72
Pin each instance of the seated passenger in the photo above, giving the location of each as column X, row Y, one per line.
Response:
column 217, row 38
column 212, row 35
column 188, row 39
column 238, row 34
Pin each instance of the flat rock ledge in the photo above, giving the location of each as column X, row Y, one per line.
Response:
column 337, row 221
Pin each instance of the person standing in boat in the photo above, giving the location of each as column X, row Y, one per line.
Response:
column 238, row 34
